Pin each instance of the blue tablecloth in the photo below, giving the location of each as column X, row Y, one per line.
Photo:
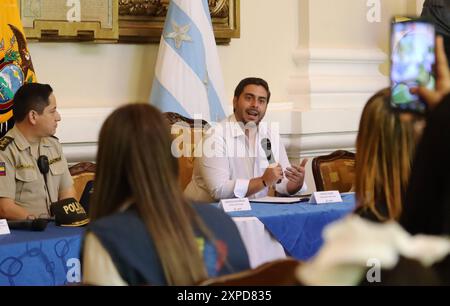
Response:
column 50, row 257
column 298, row 227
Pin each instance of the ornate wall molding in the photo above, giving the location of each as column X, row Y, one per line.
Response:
column 146, row 8
column 336, row 78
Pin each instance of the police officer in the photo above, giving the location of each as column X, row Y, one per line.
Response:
column 23, row 190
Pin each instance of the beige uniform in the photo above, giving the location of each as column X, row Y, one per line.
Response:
column 20, row 178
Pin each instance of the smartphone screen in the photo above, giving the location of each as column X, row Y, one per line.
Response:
column 412, row 61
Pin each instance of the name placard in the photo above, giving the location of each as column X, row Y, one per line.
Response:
column 322, row 197
column 4, row 228
column 240, row 204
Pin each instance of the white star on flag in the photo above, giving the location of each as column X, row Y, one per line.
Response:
column 179, row 34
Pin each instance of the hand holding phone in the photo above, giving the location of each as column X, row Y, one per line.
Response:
column 434, row 97
column 412, row 61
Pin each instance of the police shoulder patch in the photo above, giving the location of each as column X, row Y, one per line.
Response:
column 4, row 142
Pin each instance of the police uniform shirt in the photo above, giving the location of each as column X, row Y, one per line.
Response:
column 20, row 178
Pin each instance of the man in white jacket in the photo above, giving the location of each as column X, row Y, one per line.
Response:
column 243, row 157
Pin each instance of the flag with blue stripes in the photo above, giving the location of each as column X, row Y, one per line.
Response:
column 188, row 78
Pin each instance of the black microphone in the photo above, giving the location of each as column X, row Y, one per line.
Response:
column 267, row 147
column 28, row 224
column 43, row 164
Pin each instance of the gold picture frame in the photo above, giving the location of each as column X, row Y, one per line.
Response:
column 142, row 21
column 128, row 21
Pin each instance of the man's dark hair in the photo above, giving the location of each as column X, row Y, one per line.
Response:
column 31, row 96
column 251, row 81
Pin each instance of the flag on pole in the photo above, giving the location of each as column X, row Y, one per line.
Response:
column 188, row 78
column 16, row 67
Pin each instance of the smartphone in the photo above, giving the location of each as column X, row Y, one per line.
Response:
column 412, row 63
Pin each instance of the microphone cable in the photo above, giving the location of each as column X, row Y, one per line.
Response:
column 44, row 167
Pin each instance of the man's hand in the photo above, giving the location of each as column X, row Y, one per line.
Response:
column 434, row 97
column 296, row 176
column 272, row 174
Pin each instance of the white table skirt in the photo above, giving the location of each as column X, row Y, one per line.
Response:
column 260, row 244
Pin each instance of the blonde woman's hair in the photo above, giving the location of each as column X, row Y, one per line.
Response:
column 134, row 161
column 385, row 147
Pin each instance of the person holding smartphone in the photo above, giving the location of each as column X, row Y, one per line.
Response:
column 388, row 131
column 350, row 243
column 434, row 96
column 427, row 196
column 427, row 201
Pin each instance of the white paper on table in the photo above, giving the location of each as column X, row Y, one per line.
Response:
column 278, row 200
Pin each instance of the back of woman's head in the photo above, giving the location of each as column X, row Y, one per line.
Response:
column 135, row 165
column 384, row 150
column 133, row 148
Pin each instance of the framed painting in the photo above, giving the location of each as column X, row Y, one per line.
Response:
column 135, row 21
column 142, row 21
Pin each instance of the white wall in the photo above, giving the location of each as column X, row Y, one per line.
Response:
column 95, row 75
column 108, row 75
column 322, row 59
column 342, row 59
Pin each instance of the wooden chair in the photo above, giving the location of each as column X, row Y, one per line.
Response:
column 280, row 272
column 180, row 125
column 82, row 173
column 335, row 171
